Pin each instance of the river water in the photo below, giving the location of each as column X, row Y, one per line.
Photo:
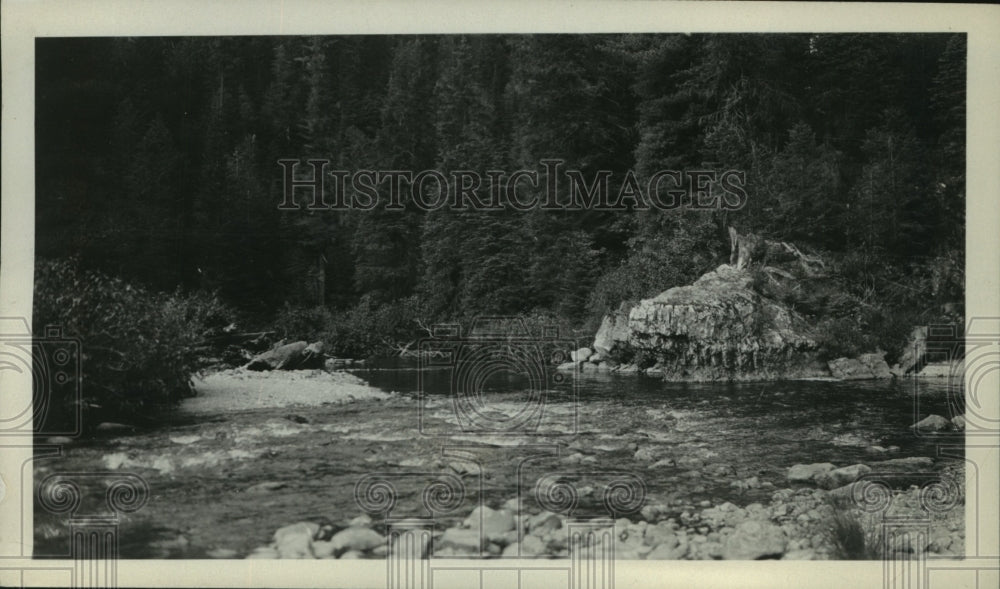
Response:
column 676, row 445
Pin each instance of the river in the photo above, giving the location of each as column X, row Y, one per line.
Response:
column 222, row 483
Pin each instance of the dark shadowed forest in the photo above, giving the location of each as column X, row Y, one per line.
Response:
column 158, row 185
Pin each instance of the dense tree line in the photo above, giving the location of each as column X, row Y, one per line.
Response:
column 157, row 163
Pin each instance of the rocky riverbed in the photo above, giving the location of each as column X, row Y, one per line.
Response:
column 247, row 459
column 805, row 523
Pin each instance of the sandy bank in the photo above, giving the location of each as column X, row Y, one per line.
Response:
column 239, row 389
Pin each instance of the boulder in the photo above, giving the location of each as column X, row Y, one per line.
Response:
column 543, row 523
column 850, row 369
column 614, row 330
column 910, row 464
column 462, row 540
column 492, row 522
column 876, row 364
column 932, row 423
column 357, row 538
column 839, row 477
column 720, row 328
column 753, row 540
column 580, row 355
column 803, row 473
column 958, row 422
column 284, row 357
column 295, row 541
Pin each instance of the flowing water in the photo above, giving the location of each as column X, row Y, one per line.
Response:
column 677, row 445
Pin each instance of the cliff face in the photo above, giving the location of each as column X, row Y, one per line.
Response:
column 718, row 328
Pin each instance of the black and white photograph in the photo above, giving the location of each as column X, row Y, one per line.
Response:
column 501, row 308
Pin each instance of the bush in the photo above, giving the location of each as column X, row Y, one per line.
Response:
column 851, row 538
column 367, row 329
column 139, row 348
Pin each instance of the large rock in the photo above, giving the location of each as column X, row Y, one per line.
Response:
column 909, row 465
column 357, row 538
column 462, row 540
column 581, row 355
column 803, row 473
column 613, row 331
column 849, row 369
column 839, row 477
column 492, row 522
column 755, row 539
column 295, row 541
column 864, row 367
column 720, row 328
column 876, row 364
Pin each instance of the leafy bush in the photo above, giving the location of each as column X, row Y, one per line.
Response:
column 139, row 348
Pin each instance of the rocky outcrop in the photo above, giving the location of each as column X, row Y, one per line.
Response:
column 718, row 328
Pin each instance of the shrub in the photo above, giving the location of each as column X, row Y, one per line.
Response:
column 139, row 348
column 851, row 538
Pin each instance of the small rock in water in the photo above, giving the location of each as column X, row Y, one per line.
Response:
column 910, row 464
column 266, row 487
column 185, row 440
column 108, row 426
column 221, row 553
column 297, row 418
column 58, row 440
column 932, row 423
column 350, row 555
column 801, row 473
